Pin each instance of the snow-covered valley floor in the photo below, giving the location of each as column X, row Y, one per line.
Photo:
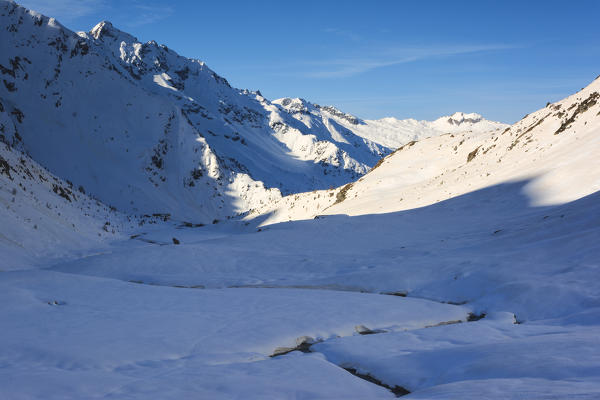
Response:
column 200, row 319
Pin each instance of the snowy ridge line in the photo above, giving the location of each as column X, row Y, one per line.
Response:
column 389, row 132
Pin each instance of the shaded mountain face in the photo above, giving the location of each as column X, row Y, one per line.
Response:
column 45, row 218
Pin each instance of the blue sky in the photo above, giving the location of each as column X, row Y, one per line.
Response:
column 407, row 59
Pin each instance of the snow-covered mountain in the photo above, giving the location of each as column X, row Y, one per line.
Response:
column 555, row 149
column 148, row 131
column 387, row 132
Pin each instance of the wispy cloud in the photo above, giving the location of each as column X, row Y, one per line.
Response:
column 138, row 12
column 64, row 9
column 346, row 67
column 149, row 14
column 344, row 34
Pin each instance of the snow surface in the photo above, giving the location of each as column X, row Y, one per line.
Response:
column 472, row 257
column 493, row 358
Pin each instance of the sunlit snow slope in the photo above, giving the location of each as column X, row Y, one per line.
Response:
column 556, row 150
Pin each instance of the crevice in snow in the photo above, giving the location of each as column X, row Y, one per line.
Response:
column 397, row 390
column 139, row 282
column 303, row 344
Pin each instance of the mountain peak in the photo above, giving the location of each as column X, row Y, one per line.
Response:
column 300, row 105
column 460, row 117
column 460, row 121
column 294, row 105
column 105, row 29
